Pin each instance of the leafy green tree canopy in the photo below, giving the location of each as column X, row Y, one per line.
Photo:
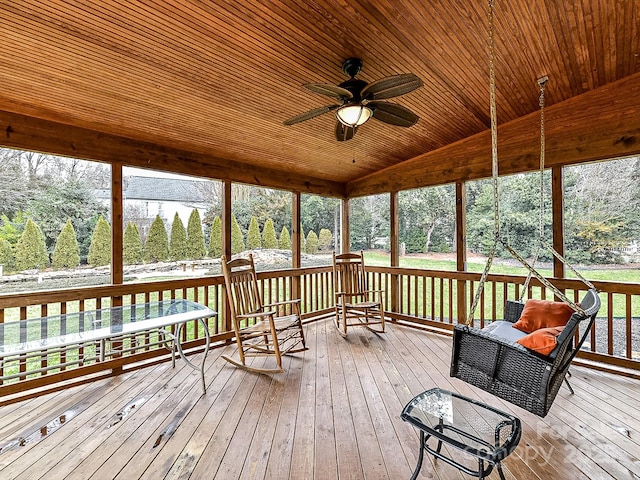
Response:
column 178, row 243
column 132, row 245
column 100, row 248
column 269, row 239
column 312, row 243
column 253, row 235
column 66, row 253
column 285, row 239
column 31, row 250
column 196, row 248
column 7, row 257
column 325, row 240
column 215, row 238
column 237, row 239
column 156, row 248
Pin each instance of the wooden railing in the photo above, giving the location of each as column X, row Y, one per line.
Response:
column 426, row 298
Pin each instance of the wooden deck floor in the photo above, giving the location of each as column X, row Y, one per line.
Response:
column 334, row 414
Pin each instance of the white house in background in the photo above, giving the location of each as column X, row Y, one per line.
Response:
column 146, row 197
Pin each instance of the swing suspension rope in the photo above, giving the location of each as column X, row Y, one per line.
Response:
column 496, row 212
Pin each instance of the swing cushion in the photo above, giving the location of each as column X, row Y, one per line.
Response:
column 539, row 314
column 542, row 341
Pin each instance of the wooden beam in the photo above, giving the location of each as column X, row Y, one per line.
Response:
column 296, row 257
column 226, row 244
column 28, row 133
column 600, row 124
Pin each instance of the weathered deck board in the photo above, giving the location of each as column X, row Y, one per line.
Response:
column 334, row 413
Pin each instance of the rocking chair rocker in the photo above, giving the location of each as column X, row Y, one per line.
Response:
column 272, row 330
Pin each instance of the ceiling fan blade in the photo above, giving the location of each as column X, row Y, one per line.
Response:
column 344, row 133
column 393, row 114
column 310, row 114
column 332, row 91
column 390, row 87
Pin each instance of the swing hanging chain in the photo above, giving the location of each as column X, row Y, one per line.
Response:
column 494, row 170
column 542, row 83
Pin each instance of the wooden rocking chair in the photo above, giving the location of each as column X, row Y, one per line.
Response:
column 274, row 329
column 356, row 305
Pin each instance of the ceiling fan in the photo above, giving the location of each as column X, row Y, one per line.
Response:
column 360, row 101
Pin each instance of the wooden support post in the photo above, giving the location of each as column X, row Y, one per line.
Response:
column 117, row 274
column 117, row 268
column 461, row 248
column 345, row 232
column 394, row 227
column 557, row 213
column 296, row 257
column 226, row 243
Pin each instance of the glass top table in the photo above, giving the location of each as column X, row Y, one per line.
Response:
column 485, row 433
column 33, row 335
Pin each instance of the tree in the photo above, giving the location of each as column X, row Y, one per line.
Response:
column 11, row 229
column 178, row 243
column 31, row 250
column 285, row 239
column 237, row 239
column 7, row 256
column 196, row 248
column 253, row 235
column 325, row 240
column 131, row 245
column 215, row 238
column 269, row 239
column 156, row 248
column 66, row 253
column 303, row 240
column 312, row 243
column 100, row 248
column 59, row 200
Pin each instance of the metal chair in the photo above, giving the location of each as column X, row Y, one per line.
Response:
column 355, row 305
column 273, row 330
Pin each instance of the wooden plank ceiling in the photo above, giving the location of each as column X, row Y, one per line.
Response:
column 211, row 82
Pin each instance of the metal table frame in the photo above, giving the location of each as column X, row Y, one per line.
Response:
column 490, row 454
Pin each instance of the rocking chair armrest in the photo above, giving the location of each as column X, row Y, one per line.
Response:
column 357, row 294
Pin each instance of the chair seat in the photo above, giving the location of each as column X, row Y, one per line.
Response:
column 281, row 323
column 361, row 305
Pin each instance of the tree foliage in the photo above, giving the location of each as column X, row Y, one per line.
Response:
column 156, row 248
column 196, row 248
column 100, row 247
column 237, row 239
column 178, row 243
column 66, row 253
column 7, row 256
column 269, row 239
column 284, row 242
column 31, row 250
column 215, row 238
column 253, row 235
column 311, row 245
column 132, row 245
column 303, row 240
column 325, row 240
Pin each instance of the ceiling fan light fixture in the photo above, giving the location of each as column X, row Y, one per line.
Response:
column 353, row 114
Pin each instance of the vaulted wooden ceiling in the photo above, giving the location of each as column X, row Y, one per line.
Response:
column 203, row 87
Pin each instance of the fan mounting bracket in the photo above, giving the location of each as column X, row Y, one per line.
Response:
column 352, row 66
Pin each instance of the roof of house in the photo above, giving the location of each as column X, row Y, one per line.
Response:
column 163, row 189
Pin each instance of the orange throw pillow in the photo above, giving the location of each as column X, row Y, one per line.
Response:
column 538, row 314
column 542, row 341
